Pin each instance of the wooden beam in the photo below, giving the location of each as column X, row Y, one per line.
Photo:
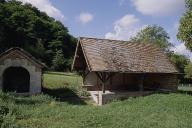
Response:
column 86, row 73
column 99, row 75
column 104, row 77
column 109, row 75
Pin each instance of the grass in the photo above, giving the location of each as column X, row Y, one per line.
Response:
column 44, row 111
column 63, row 85
column 61, row 80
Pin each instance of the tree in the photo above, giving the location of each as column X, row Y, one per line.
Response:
column 22, row 25
column 157, row 35
column 188, row 71
column 189, row 4
column 2, row 1
column 180, row 61
column 153, row 34
column 58, row 61
column 185, row 27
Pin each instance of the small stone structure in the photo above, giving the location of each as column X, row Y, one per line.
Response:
column 20, row 72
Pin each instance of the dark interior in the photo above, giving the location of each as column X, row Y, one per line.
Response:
column 16, row 79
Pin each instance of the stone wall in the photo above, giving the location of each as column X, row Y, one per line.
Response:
column 104, row 98
column 34, row 71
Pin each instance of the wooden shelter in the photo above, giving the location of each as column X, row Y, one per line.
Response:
column 115, row 65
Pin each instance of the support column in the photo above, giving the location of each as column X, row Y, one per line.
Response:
column 104, row 81
column 1, row 83
column 103, row 87
column 140, row 82
column 104, row 77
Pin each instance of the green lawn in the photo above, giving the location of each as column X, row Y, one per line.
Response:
column 43, row 111
column 64, row 85
column 61, row 80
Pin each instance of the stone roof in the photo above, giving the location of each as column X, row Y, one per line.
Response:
column 23, row 53
column 121, row 56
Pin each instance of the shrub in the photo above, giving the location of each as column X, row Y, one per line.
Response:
column 58, row 61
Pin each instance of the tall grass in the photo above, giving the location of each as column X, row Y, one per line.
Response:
column 14, row 108
column 155, row 111
column 44, row 111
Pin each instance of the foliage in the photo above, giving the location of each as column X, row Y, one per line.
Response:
column 157, row 35
column 153, row 34
column 26, row 27
column 188, row 71
column 58, row 61
column 185, row 27
column 189, row 4
column 180, row 61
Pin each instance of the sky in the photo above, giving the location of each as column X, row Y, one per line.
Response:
column 116, row 19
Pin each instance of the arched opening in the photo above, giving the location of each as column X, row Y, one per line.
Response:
column 16, row 79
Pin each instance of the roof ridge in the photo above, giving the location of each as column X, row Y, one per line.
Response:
column 128, row 41
column 104, row 39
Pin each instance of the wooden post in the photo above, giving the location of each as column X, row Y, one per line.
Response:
column 140, row 82
column 42, row 80
column 104, row 81
column 104, row 77
column 103, row 87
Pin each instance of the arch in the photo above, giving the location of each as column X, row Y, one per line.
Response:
column 16, row 79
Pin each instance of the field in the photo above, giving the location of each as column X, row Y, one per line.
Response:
column 61, row 106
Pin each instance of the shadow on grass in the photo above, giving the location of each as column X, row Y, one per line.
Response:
column 24, row 101
column 11, row 97
column 64, row 95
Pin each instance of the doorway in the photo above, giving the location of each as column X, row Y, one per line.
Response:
column 16, row 79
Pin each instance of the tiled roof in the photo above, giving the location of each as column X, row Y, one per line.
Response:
column 24, row 53
column 123, row 56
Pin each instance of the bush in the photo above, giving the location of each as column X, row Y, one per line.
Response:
column 7, row 118
column 58, row 61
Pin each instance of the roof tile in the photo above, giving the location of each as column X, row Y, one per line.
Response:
column 124, row 56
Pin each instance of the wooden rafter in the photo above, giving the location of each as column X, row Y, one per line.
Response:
column 85, row 73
